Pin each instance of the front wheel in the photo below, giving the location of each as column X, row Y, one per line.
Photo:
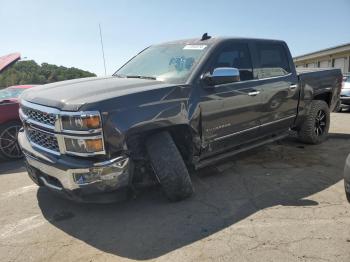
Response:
column 9, row 148
column 314, row 129
column 169, row 166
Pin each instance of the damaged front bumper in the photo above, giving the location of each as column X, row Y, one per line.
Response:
column 78, row 179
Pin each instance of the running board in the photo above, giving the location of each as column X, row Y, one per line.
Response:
column 215, row 159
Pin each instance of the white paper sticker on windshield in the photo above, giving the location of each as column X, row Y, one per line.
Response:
column 195, row 47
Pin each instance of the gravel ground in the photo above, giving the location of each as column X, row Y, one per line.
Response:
column 280, row 202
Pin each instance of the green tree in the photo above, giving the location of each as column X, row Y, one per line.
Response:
column 29, row 72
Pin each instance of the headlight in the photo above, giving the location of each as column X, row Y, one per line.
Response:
column 84, row 122
column 84, row 145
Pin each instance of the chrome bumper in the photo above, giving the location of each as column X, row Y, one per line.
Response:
column 345, row 100
column 69, row 179
column 74, row 177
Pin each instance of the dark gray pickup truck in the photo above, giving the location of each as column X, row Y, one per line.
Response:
column 175, row 106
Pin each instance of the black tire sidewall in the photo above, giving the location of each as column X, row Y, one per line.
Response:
column 306, row 132
column 169, row 167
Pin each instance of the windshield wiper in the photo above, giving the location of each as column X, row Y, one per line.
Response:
column 121, row 76
column 141, row 77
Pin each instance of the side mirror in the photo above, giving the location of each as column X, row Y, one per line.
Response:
column 222, row 75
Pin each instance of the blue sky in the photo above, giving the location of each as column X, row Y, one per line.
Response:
column 65, row 32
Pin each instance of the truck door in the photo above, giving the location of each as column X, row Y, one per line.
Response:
column 229, row 112
column 275, row 71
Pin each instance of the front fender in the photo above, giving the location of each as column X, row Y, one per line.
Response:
column 163, row 108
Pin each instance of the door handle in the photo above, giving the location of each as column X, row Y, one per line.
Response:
column 253, row 93
column 292, row 87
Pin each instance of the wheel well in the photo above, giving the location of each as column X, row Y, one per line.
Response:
column 8, row 123
column 137, row 150
column 183, row 139
column 327, row 97
column 180, row 133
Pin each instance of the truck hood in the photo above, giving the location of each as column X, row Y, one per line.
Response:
column 73, row 94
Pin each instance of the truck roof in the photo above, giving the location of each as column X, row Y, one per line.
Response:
column 215, row 40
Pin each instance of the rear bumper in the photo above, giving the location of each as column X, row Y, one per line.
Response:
column 345, row 100
column 78, row 179
column 345, row 96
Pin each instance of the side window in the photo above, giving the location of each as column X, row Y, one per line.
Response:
column 273, row 61
column 237, row 56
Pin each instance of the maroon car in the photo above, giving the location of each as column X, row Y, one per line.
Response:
column 10, row 122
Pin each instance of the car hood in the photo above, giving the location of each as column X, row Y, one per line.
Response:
column 73, row 94
column 8, row 100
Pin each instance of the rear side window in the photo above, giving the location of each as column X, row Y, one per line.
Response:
column 273, row 61
column 237, row 56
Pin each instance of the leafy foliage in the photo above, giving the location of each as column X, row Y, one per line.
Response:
column 29, row 72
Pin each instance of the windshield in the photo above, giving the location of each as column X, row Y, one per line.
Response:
column 170, row 62
column 10, row 93
column 347, row 79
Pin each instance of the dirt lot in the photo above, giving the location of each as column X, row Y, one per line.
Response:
column 280, row 202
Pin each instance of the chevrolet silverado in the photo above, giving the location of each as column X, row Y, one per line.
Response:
column 173, row 107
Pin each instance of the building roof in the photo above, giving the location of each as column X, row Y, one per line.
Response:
column 324, row 52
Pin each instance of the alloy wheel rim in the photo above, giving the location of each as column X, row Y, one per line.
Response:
column 320, row 123
column 8, row 142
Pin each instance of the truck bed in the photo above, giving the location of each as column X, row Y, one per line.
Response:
column 315, row 81
column 315, row 70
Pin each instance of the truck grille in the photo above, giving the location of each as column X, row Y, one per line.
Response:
column 43, row 139
column 43, row 128
column 38, row 116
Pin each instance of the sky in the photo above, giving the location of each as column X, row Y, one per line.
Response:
column 66, row 32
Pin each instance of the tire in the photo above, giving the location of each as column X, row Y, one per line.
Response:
column 9, row 148
column 169, row 167
column 314, row 129
column 347, row 196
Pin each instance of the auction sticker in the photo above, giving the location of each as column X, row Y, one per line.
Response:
column 195, row 47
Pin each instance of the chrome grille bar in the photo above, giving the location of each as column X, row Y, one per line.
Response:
column 44, row 141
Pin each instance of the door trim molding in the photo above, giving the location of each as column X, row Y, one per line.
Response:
column 252, row 128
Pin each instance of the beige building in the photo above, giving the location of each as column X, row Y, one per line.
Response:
column 336, row 57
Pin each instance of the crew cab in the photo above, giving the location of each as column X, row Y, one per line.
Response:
column 173, row 107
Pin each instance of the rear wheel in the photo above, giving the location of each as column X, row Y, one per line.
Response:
column 9, row 147
column 169, row 167
column 314, row 129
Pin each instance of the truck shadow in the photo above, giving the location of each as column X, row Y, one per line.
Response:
column 147, row 227
column 8, row 167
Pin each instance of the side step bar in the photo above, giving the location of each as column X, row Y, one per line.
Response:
column 215, row 159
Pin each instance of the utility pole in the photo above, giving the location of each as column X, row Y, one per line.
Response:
column 103, row 52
